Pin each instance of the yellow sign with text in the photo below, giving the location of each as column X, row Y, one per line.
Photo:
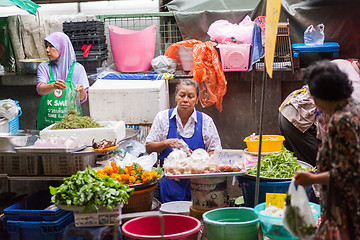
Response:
column 275, row 199
column 272, row 20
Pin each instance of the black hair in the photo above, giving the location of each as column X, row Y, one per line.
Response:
column 188, row 82
column 327, row 82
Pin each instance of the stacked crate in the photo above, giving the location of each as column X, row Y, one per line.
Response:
column 84, row 33
column 35, row 218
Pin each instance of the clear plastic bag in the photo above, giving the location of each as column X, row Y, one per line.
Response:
column 298, row 217
column 73, row 99
column 314, row 35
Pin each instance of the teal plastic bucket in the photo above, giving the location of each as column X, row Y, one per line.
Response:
column 231, row 223
column 273, row 227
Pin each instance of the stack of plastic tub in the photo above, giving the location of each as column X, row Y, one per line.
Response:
column 84, row 33
column 35, row 218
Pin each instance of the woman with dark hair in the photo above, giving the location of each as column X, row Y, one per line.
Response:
column 338, row 160
column 183, row 122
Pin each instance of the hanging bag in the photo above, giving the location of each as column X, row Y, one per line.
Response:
column 298, row 217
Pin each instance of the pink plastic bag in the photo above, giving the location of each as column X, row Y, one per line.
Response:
column 223, row 31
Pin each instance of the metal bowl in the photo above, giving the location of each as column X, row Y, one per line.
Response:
column 30, row 65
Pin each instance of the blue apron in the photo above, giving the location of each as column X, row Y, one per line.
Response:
column 179, row 190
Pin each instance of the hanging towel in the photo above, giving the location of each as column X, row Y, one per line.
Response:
column 86, row 49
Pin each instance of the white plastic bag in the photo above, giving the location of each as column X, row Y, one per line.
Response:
column 314, row 35
column 8, row 108
column 163, row 64
column 298, row 217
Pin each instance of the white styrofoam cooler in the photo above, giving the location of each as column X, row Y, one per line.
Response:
column 112, row 130
column 131, row 101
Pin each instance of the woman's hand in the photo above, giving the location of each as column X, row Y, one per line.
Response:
column 171, row 142
column 305, row 178
column 60, row 84
column 80, row 89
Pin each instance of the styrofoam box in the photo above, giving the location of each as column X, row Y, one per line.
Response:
column 112, row 130
column 102, row 217
column 132, row 101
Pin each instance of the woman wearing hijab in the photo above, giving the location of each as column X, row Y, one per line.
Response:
column 58, row 78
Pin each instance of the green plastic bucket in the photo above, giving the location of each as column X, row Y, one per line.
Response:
column 231, row 223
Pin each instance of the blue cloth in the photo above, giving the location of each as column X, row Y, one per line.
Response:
column 179, row 190
column 257, row 50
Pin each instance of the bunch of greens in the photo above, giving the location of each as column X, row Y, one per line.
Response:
column 280, row 164
column 72, row 120
column 295, row 220
column 88, row 189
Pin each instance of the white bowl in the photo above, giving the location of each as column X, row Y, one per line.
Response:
column 8, row 141
column 176, row 207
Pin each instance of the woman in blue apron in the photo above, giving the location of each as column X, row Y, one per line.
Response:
column 182, row 122
column 59, row 78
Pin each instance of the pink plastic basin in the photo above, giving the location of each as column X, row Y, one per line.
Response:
column 132, row 50
column 177, row 227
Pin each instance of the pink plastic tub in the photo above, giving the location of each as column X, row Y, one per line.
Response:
column 177, row 227
column 132, row 50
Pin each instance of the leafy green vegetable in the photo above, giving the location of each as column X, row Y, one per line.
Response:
column 88, row 189
column 280, row 164
column 73, row 121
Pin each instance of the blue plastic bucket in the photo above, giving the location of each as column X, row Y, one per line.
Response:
column 14, row 122
column 248, row 189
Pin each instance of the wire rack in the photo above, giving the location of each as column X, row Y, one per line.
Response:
column 283, row 59
column 167, row 31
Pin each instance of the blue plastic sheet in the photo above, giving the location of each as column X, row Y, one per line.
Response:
column 138, row 76
column 257, row 50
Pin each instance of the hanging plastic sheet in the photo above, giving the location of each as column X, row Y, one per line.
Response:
column 207, row 71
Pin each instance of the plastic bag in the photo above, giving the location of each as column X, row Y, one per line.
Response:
column 133, row 147
column 207, row 71
column 146, row 162
column 298, row 217
column 163, row 64
column 314, row 35
column 8, row 108
column 73, row 99
column 223, row 31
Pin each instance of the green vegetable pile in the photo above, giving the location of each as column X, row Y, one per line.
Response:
column 88, row 189
column 296, row 222
column 72, row 120
column 280, row 164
